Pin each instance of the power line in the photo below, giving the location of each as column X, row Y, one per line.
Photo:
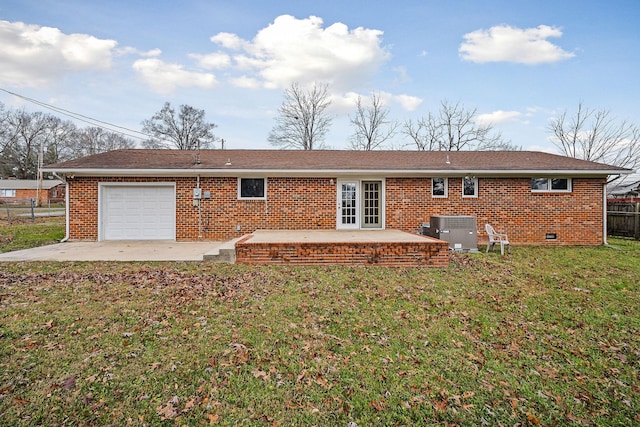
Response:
column 86, row 119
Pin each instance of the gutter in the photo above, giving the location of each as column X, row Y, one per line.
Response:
column 275, row 172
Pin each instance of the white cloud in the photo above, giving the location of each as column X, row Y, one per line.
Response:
column 504, row 43
column 408, row 102
column 245, row 82
column 498, row 117
column 347, row 102
column 229, row 41
column 32, row 55
column 212, row 61
column 344, row 103
column 128, row 50
column 165, row 78
column 301, row 50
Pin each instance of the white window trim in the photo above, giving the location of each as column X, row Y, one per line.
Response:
column 251, row 198
column 551, row 190
column 446, row 189
column 9, row 192
column 475, row 186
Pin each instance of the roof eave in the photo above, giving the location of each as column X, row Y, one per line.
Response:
column 228, row 172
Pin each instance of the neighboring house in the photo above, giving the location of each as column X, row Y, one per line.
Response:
column 537, row 198
column 23, row 189
column 629, row 192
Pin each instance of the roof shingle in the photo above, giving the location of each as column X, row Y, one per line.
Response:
column 330, row 160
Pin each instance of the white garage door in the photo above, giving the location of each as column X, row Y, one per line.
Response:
column 138, row 212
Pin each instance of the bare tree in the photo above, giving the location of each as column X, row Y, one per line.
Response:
column 94, row 140
column 425, row 133
column 30, row 140
column 58, row 145
column 597, row 136
column 372, row 127
column 186, row 130
column 302, row 121
column 454, row 128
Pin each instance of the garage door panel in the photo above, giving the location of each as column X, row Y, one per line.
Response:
column 138, row 212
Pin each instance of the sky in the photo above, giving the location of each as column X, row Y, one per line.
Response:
column 519, row 63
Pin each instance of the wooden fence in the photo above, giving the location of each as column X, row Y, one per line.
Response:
column 623, row 219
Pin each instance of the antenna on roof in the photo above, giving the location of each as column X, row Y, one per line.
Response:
column 198, row 152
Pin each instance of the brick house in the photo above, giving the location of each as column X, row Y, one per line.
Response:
column 20, row 190
column 538, row 198
column 629, row 192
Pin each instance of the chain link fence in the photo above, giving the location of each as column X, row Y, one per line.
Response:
column 25, row 210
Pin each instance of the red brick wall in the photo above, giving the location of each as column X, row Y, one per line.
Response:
column 310, row 203
column 508, row 205
column 54, row 194
column 389, row 254
column 291, row 204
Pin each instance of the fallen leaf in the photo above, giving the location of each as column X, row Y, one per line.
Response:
column 168, row 411
column 257, row 373
column 69, row 383
column 379, row 405
column 533, row 419
column 514, row 402
column 189, row 405
column 441, row 405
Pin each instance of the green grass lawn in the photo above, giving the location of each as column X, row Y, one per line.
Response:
column 544, row 336
column 24, row 234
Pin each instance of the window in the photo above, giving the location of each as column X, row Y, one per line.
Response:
column 8, row 193
column 252, row 188
column 551, row 184
column 439, row 187
column 469, row 187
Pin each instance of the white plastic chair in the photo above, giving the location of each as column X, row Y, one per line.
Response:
column 496, row 238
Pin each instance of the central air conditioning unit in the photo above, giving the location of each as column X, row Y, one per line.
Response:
column 461, row 232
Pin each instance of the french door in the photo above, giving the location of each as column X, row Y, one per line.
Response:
column 359, row 204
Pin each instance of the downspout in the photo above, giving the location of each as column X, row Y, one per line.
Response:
column 199, row 211
column 604, row 213
column 66, row 207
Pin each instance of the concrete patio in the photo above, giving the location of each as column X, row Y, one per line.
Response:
column 361, row 247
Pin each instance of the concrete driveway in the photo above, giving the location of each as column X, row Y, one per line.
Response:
column 116, row 251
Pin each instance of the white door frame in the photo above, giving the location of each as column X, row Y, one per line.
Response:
column 349, row 213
